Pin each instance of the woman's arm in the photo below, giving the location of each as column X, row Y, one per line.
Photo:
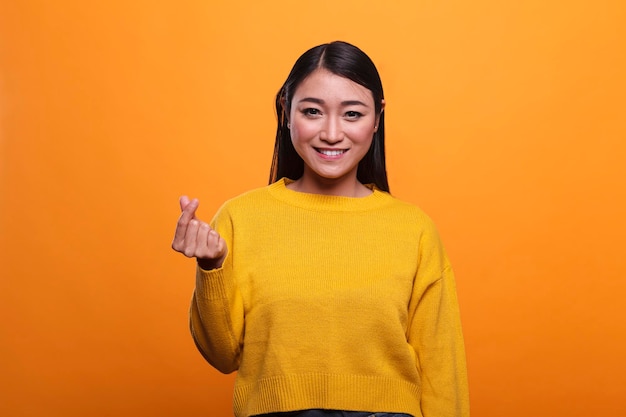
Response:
column 216, row 312
column 436, row 335
column 216, row 319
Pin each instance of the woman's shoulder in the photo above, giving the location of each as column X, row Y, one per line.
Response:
column 411, row 208
column 410, row 215
column 250, row 197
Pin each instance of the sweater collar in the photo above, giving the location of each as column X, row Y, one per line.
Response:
column 324, row 202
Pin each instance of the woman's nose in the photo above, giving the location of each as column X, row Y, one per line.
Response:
column 332, row 131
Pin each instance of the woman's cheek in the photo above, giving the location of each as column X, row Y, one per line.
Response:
column 304, row 131
column 360, row 133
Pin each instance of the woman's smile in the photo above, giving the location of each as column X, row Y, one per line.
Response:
column 331, row 154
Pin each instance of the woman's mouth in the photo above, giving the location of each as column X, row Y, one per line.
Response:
column 331, row 152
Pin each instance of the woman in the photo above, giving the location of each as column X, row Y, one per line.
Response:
column 329, row 296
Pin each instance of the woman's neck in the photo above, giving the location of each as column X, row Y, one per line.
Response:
column 330, row 186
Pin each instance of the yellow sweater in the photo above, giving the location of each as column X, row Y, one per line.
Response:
column 332, row 302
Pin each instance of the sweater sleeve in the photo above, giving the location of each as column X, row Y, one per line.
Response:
column 436, row 335
column 216, row 312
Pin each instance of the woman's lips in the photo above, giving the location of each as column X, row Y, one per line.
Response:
column 331, row 153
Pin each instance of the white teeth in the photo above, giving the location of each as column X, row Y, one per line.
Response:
column 331, row 152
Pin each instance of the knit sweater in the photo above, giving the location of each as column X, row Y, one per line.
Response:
column 332, row 302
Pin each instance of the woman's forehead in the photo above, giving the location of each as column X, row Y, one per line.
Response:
column 325, row 85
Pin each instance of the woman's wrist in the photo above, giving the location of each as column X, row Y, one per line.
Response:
column 209, row 264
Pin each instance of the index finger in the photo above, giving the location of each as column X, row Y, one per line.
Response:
column 188, row 208
column 188, row 213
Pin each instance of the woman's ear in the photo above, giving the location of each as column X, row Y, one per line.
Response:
column 382, row 109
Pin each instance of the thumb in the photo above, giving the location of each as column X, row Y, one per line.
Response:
column 184, row 202
column 188, row 207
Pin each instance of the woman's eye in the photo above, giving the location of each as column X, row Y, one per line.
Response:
column 311, row 112
column 353, row 115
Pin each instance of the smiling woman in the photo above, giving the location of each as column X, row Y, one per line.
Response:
column 332, row 122
column 336, row 65
column 300, row 263
column 504, row 121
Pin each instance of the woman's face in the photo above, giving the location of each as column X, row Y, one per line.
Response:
column 332, row 123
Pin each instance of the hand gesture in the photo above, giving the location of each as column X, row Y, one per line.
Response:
column 195, row 238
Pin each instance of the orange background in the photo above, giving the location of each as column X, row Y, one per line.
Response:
column 506, row 123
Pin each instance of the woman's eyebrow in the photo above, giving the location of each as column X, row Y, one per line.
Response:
column 343, row 103
column 353, row 103
column 312, row 100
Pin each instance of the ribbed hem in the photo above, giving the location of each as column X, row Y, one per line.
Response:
column 321, row 202
column 327, row 391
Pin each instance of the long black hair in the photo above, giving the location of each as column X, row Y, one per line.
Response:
column 345, row 60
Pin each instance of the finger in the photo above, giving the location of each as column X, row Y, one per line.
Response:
column 191, row 238
column 215, row 253
column 183, row 201
column 208, row 248
column 187, row 205
column 221, row 247
column 217, row 245
column 213, row 242
column 188, row 213
column 202, row 240
column 178, row 243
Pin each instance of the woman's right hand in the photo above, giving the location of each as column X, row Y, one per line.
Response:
column 196, row 239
